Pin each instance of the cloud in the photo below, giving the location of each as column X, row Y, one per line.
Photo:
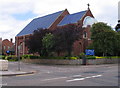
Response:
column 11, row 12
column 10, row 25
column 14, row 6
column 119, row 10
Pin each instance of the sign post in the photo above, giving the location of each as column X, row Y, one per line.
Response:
column 18, row 58
column 87, row 52
column 83, row 60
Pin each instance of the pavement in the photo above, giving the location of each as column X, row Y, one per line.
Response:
column 14, row 73
column 13, row 70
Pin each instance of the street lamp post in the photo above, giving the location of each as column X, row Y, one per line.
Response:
column 84, row 61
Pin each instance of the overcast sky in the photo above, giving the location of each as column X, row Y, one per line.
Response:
column 16, row 14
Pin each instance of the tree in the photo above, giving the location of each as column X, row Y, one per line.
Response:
column 59, row 44
column 65, row 36
column 48, row 43
column 103, row 38
column 117, row 44
column 34, row 43
column 61, row 39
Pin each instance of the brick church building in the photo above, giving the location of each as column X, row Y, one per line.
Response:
column 84, row 19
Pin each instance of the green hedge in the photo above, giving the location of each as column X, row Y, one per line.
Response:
column 72, row 58
column 91, row 57
column 12, row 58
column 43, row 57
column 30, row 57
column 107, row 57
column 2, row 57
column 81, row 55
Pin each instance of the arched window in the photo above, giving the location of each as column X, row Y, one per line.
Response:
column 89, row 21
column 85, row 34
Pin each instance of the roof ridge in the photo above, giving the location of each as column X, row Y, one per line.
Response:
column 78, row 12
column 48, row 14
column 72, row 18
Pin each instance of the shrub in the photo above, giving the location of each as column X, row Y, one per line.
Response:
column 81, row 55
column 12, row 58
column 2, row 57
column 24, row 56
column 99, row 57
column 91, row 57
column 58, row 57
column 30, row 57
column 118, row 57
column 52, row 57
column 71, row 58
column 33, row 57
column 107, row 57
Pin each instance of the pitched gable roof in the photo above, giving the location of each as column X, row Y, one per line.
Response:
column 41, row 22
column 72, row 18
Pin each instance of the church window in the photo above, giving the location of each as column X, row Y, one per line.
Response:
column 85, row 34
column 4, row 47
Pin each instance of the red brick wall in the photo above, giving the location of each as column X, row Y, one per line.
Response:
column 6, row 44
column 81, row 45
column 23, row 50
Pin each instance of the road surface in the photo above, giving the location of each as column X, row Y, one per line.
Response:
column 64, row 75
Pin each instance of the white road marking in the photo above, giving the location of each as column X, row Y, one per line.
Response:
column 75, row 75
column 54, row 78
column 78, row 79
column 96, row 76
column 4, row 84
column 61, row 78
column 25, row 75
column 48, row 72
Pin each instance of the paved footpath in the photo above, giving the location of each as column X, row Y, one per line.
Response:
column 13, row 69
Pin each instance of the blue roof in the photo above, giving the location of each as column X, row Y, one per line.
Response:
column 41, row 22
column 72, row 18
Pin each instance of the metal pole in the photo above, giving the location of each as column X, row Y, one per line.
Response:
column 18, row 58
column 1, row 47
column 84, row 60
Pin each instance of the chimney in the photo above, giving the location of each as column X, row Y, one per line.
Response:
column 11, row 40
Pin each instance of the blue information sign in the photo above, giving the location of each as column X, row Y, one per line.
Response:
column 89, row 52
column 7, row 51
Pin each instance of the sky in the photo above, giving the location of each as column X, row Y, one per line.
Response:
column 16, row 14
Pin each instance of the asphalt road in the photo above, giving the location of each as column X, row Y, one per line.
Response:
column 64, row 75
